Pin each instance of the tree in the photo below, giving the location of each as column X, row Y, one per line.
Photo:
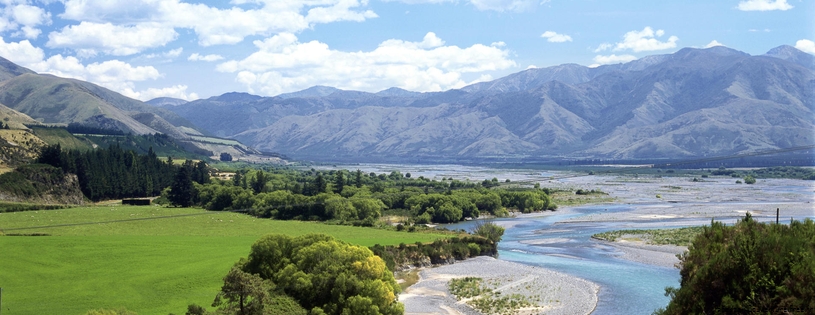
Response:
column 259, row 182
column 489, row 230
column 318, row 186
column 182, row 190
column 748, row 268
column 339, row 182
column 749, row 179
column 358, row 179
column 243, row 293
column 226, row 157
column 325, row 275
column 51, row 155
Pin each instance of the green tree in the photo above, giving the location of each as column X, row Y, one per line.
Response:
column 749, row 268
column 489, row 230
column 749, row 179
column 339, row 182
column 358, row 179
column 243, row 293
column 326, row 275
column 182, row 190
column 259, row 182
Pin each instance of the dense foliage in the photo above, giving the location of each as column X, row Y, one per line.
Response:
column 325, row 275
column 769, row 172
column 752, row 267
column 115, row 173
column 441, row 251
column 359, row 198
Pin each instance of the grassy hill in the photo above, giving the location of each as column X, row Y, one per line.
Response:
column 167, row 259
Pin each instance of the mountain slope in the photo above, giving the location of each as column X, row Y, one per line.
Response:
column 51, row 99
column 695, row 102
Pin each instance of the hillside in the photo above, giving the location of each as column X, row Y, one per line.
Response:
column 693, row 103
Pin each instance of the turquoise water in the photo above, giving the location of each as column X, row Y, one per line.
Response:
column 626, row 287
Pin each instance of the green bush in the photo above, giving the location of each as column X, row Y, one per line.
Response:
column 752, row 267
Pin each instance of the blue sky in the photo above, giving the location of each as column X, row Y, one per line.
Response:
column 197, row 49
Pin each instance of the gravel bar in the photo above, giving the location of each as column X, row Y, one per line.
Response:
column 553, row 292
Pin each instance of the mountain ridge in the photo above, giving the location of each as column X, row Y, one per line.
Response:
column 659, row 106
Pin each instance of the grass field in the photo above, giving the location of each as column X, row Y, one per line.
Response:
column 157, row 264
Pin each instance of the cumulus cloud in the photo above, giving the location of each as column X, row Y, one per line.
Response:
column 90, row 38
column 806, row 46
column 22, row 18
column 283, row 63
column 176, row 91
column 764, row 5
column 198, row 57
column 21, row 53
column 215, row 26
column 645, row 40
column 553, row 37
column 713, row 43
column 611, row 59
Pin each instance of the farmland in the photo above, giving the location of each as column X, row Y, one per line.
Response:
column 150, row 260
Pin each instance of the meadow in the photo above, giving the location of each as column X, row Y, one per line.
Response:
column 151, row 260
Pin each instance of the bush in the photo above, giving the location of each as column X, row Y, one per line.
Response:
column 749, row 267
column 749, row 179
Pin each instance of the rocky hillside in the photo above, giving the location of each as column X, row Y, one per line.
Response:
column 693, row 103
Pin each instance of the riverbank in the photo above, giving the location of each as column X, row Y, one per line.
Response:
column 550, row 292
column 657, row 255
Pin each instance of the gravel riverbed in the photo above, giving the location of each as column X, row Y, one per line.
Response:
column 552, row 292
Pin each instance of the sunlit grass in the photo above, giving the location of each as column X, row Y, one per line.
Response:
column 157, row 265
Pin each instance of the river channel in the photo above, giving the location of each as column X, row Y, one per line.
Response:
column 561, row 240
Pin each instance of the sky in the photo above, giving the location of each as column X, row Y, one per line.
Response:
column 198, row 49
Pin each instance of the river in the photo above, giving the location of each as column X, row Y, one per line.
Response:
column 561, row 241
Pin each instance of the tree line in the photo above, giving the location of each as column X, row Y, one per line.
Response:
column 353, row 197
column 114, row 173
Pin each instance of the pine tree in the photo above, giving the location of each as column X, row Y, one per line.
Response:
column 358, row 179
column 182, row 190
column 339, row 182
column 259, row 183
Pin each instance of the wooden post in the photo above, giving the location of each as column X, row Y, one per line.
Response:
column 777, row 210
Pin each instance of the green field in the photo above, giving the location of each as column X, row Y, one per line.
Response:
column 156, row 264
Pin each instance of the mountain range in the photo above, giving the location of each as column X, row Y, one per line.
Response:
column 692, row 103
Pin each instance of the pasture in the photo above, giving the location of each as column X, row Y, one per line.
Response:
column 151, row 260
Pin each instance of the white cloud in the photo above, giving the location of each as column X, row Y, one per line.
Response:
column 198, row 57
column 215, row 26
column 603, row 47
column 486, row 5
column 806, row 46
column 764, row 5
column 555, row 37
column 504, row 5
column 21, row 53
column 23, row 19
column 612, row 59
column 713, row 43
column 176, row 91
column 645, row 40
column 284, row 64
column 116, row 75
column 90, row 38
